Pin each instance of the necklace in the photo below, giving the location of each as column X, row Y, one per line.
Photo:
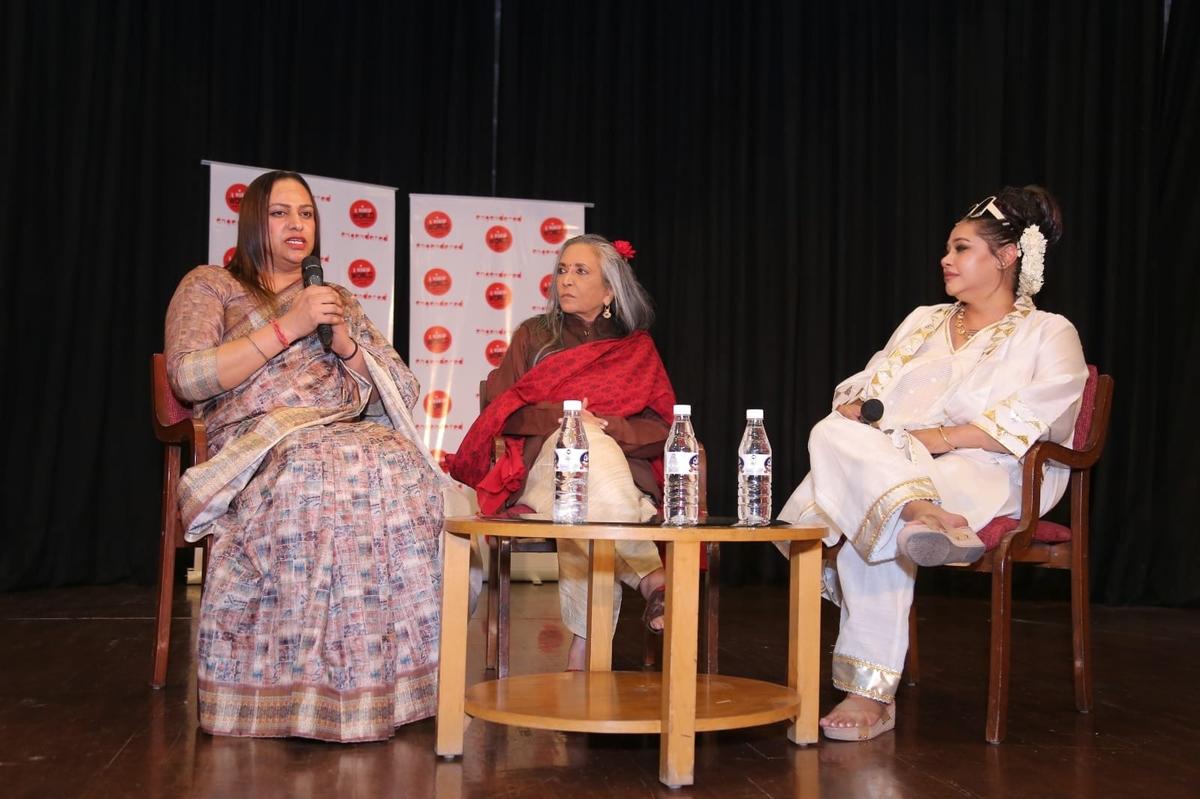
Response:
column 961, row 326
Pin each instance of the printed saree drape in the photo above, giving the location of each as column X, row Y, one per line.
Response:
column 320, row 613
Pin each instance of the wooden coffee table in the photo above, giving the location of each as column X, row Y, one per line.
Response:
column 677, row 703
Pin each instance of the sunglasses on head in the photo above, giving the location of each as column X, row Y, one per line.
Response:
column 986, row 206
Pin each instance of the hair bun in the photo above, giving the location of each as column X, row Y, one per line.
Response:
column 1033, row 205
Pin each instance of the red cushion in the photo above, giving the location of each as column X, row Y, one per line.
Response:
column 1045, row 532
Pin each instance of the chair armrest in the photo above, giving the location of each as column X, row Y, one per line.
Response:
column 191, row 434
column 1041, row 453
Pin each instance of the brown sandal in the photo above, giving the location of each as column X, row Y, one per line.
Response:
column 655, row 608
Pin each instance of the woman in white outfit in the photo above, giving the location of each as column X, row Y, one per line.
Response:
column 966, row 389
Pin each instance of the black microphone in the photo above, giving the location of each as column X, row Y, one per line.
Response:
column 871, row 411
column 314, row 275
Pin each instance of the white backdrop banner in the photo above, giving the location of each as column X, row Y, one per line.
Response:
column 479, row 266
column 358, row 233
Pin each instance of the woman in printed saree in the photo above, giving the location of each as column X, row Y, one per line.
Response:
column 967, row 388
column 320, row 611
column 591, row 344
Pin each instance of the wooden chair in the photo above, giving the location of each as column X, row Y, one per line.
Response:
column 185, row 440
column 500, row 552
column 1044, row 544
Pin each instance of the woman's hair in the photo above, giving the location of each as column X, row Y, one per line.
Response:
column 1021, row 207
column 631, row 307
column 251, row 262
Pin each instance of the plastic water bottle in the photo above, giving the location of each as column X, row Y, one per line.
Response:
column 681, row 455
column 571, row 467
column 754, row 473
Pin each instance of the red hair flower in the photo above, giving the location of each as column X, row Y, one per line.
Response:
column 625, row 249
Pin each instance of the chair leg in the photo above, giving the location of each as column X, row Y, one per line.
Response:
column 1081, row 632
column 1001, row 661
column 493, row 604
column 912, row 658
column 1081, row 636
column 162, row 612
column 504, row 618
column 712, row 609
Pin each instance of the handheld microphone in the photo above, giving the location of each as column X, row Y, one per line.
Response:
column 871, row 411
column 314, row 275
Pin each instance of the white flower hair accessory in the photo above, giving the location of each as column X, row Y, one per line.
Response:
column 1032, row 248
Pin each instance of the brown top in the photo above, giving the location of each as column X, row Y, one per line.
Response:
column 641, row 437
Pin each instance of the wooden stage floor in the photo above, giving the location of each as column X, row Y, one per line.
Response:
column 77, row 717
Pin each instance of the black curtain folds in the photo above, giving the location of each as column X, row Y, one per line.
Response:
column 787, row 171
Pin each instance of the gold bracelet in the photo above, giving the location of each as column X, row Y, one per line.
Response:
column 945, row 437
column 260, row 352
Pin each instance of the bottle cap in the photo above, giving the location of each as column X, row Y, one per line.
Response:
column 572, row 405
column 682, row 410
column 754, row 413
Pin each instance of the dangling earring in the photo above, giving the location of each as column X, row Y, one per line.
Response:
column 607, row 313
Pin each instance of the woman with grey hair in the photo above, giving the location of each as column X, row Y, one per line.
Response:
column 591, row 344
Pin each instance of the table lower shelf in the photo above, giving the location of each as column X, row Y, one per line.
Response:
column 625, row 702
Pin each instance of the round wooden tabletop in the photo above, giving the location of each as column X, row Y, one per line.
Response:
column 627, row 531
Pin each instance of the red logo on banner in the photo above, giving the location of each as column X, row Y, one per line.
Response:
column 498, row 237
column 362, row 213
column 229, row 255
column 437, row 339
column 361, row 273
column 545, row 285
column 233, row 196
column 438, row 224
column 437, row 404
column 498, row 295
column 554, row 230
column 494, row 352
column 437, row 281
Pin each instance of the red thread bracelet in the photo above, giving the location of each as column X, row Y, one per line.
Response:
column 279, row 334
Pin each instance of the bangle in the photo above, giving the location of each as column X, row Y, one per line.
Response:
column 260, row 352
column 279, row 334
column 945, row 437
column 353, row 352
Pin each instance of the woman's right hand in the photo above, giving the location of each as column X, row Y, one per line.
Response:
column 315, row 305
column 851, row 410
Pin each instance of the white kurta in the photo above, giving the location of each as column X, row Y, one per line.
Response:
column 1019, row 380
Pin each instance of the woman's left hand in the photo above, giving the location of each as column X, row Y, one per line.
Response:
column 342, row 344
column 588, row 416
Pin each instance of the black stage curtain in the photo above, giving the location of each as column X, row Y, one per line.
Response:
column 788, row 172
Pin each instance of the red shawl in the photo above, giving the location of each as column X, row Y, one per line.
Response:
column 620, row 377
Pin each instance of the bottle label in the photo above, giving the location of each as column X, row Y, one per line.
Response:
column 754, row 465
column 682, row 463
column 570, row 459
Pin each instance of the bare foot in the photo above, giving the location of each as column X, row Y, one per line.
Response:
column 854, row 711
column 577, row 654
column 924, row 511
column 648, row 585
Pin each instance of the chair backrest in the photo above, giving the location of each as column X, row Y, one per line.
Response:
column 1087, row 409
column 167, row 408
